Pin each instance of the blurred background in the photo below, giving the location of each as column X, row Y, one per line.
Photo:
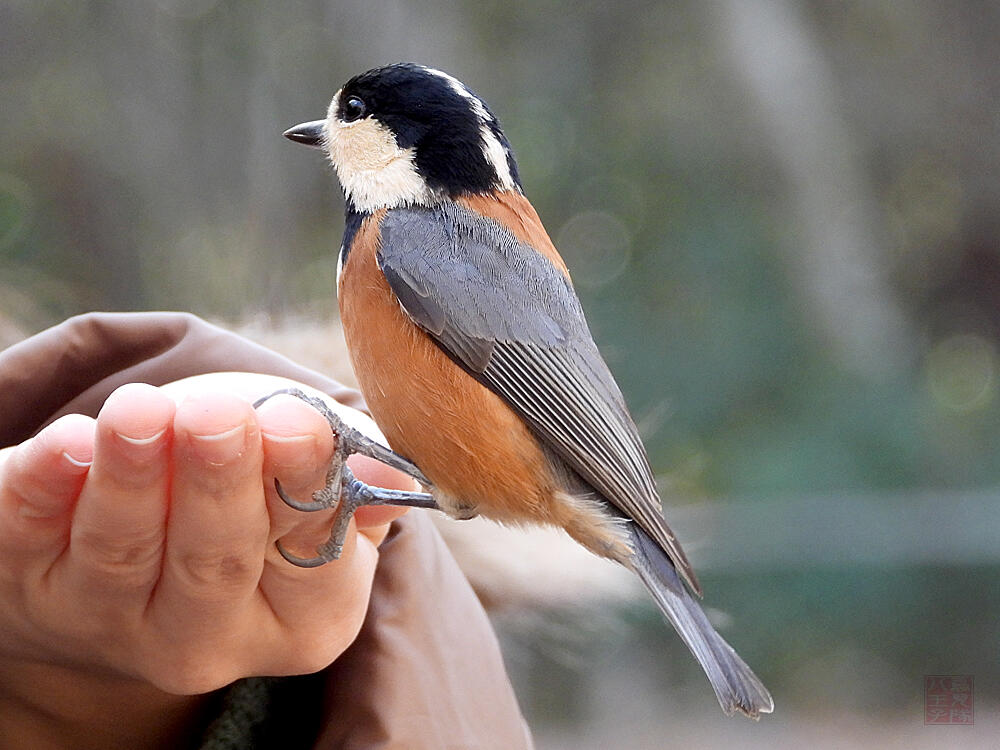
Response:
column 782, row 218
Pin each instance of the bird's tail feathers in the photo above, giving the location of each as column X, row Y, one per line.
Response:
column 735, row 684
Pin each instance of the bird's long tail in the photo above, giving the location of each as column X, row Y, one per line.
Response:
column 735, row 684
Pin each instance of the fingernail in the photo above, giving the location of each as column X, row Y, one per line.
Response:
column 290, row 450
column 140, row 448
column 290, row 439
column 79, row 463
column 141, row 441
column 297, row 441
column 222, row 447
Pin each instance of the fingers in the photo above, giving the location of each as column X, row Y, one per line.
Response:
column 320, row 609
column 217, row 526
column 120, row 517
column 111, row 529
column 298, row 446
column 150, row 529
column 41, row 480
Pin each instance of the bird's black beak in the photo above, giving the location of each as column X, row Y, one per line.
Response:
column 308, row 133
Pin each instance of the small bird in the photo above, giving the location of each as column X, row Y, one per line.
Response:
column 473, row 353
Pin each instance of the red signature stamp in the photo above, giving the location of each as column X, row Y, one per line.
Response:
column 948, row 699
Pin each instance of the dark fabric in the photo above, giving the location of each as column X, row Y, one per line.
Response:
column 426, row 669
column 268, row 712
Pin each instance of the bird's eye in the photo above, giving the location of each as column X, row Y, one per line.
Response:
column 354, row 109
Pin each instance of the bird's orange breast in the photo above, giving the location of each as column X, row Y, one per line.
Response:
column 465, row 439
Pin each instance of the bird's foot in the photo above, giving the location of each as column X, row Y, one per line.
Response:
column 343, row 490
column 349, row 495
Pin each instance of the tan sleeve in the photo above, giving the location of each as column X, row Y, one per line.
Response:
column 426, row 670
column 74, row 366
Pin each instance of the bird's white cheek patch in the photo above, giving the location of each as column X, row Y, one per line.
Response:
column 374, row 171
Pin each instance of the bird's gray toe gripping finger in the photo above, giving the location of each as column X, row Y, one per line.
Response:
column 353, row 494
column 342, row 489
column 350, row 440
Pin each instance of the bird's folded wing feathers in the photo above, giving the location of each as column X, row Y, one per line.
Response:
column 511, row 319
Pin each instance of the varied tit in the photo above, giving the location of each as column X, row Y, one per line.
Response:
column 473, row 353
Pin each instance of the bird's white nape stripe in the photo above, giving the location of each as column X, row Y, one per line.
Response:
column 462, row 90
column 496, row 155
column 493, row 150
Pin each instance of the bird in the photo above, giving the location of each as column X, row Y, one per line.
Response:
column 472, row 351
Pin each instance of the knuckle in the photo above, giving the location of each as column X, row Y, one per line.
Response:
column 120, row 556
column 216, row 572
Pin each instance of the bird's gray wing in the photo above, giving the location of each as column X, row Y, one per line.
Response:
column 511, row 319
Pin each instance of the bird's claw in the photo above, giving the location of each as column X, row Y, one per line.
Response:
column 324, row 498
column 310, row 507
column 342, row 490
column 307, row 562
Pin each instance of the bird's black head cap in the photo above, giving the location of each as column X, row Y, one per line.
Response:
column 458, row 143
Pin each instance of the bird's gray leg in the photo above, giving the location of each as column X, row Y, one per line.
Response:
column 353, row 494
column 343, row 490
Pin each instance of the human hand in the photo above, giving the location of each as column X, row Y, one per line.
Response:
column 139, row 548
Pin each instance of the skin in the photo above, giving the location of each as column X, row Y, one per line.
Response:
column 138, row 572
